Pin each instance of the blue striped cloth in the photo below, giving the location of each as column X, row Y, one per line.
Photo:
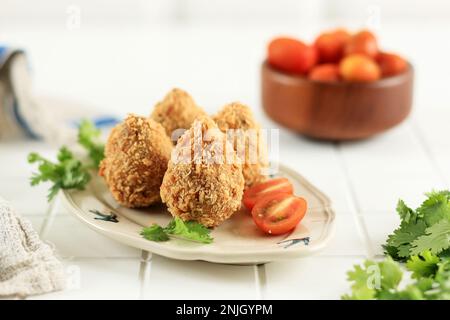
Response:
column 16, row 113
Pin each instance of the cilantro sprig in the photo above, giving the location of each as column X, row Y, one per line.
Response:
column 382, row 280
column 88, row 138
column 422, row 241
column 68, row 172
column 426, row 228
column 177, row 228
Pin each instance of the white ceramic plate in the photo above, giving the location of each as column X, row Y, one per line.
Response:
column 236, row 241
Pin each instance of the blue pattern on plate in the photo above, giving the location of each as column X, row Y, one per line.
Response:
column 290, row 242
column 111, row 217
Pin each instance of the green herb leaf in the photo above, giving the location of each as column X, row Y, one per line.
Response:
column 155, row 233
column 66, row 173
column 423, row 265
column 375, row 280
column 423, row 241
column 435, row 208
column 189, row 230
column 424, row 288
column 362, row 278
column 406, row 213
column 88, row 136
column 436, row 239
column 402, row 238
column 418, row 231
column 391, row 274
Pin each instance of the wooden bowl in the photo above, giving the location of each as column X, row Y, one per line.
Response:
column 336, row 110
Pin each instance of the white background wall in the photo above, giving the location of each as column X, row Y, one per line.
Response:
column 98, row 12
column 147, row 47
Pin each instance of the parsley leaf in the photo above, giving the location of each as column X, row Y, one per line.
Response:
column 406, row 213
column 66, row 173
column 423, row 241
column 88, row 136
column 391, row 274
column 387, row 276
column 427, row 228
column 423, row 265
column 436, row 238
column 155, row 233
column 69, row 172
column 435, row 208
column 360, row 288
column 188, row 230
column 376, row 280
column 402, row 238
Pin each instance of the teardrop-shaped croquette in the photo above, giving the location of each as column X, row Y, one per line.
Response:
column 252, row 149
column 203, row 183
column 136, row 157
column 176, row 111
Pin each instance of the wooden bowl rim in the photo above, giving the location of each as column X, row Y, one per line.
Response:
column 296, row 79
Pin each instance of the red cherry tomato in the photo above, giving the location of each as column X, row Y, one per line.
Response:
column 363, row 42
column 278, row 213
column 325, row 72
column 391, row 64
column 359, row 68
column 342, row 34
column 330, row 45
column 273, row 186
column 291, row 55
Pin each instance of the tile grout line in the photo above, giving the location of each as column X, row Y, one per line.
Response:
column 52, row 209
column 145, row 268
column 139, row 259
column 355, row 207
column 421, row 139
column 260, row 280
column 86, row 258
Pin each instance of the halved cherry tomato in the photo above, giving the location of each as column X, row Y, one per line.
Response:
column 325, row 72
column 391, row 64
column 278, row 213
column 291, row 55
column 363, row 42
column 273, row 186
column 359, row 68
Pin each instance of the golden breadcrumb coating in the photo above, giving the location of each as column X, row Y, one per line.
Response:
column 238, row 116
column 136, row 156
column 202, row 185
column 177, row 111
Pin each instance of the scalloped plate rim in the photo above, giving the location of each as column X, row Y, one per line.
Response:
column 198, row 253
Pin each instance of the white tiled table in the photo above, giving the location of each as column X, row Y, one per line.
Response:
column 363, row 179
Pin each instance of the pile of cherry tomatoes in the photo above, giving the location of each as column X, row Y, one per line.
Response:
column 336, row 55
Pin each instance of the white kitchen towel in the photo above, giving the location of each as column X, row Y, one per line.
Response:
column 28, row 266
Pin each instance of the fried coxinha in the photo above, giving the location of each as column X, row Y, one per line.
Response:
column 136, row 157
column 140, row 168
column 207, row 189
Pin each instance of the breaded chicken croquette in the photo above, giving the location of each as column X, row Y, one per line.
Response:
column 136, row 156
column 238, row 116
column 177, row 111
column 200, row 183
